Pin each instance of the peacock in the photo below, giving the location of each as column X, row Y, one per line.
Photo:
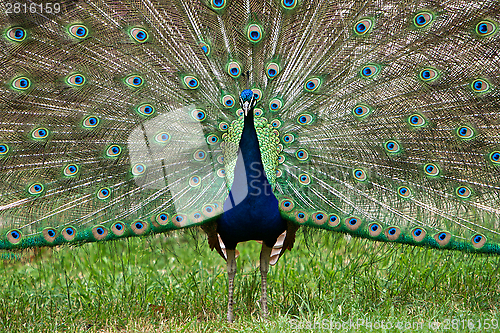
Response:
column 248, row 119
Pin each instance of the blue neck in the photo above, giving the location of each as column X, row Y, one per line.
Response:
column 251, row 209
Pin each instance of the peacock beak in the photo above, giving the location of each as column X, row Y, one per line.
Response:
column 246, row 106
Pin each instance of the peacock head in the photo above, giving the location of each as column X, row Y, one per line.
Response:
column 247, row 100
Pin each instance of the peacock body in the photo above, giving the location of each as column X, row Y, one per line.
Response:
column 250, row 119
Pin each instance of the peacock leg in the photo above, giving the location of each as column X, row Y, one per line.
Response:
column 231, row 272
column 265, row 255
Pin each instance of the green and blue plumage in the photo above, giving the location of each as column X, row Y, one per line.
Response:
column 376, row 119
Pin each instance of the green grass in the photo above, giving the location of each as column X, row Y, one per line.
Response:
column 173, row 283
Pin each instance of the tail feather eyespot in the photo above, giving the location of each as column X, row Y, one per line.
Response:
column 16, row 34
column 422, row 19
column 374, row 229
column 478, row 241
column 78, row 31
column 254, row 33
column 369, row 71
column 333, row 220
column 76, row 80
column 69, row 233
column 70, row 170
column 362, row 27
column 205, row 47
column 312, row 84
column 145, row 110
column 99, row 232
column 49, row 234
column 139, row 227
column 392, row 233
column 21, row 83
column 134, row 81
column 418, row 234
column 234, row 69
column 287, row 205
column 272, row 70
column 14, row 236
column 118, row 228
column 353, row 223
column 139, row 35
column 91, row 122
column 486, row 28
column 191, row 82
column 443, row 238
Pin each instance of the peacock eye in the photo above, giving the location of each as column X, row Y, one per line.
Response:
column 228, row 101
column 287, row 205
column 16, row 34
column 218, row 4
column 162, row 137
column 302, row 154
column 113, row 151
column 254, row 33
column 305, row 119
column 272, row 70
column 359, row 175
column 416, row 120
column 480, row 86
column 118, row 228
column 70, row 170
column 90, row 122
column 288, row 138
column 478, row 241
column 40, row 133
column 134, row 81
column 485, row 28
column 212, row 139
column 463, row 192
column 21, row 83
column 495, row 157
column 78, row 31
column 200, row 155
column 205, row 47
column 429, row 74
column 465, row 132
column 361, row 111
column 369, row 71
column 275, row 104
column 103, row 193
column 191, row 82
column 304, row 179
column 431, row 169
column 404, row 192
column 288, row 4
column 422, row 19
column 276, row 123
column 392, row 147
column 234, row 69
column 363, row 27
column 223, row 126
column 36, row 189
column 312, row 84
column 145, row 110
column 4, row 149
column 139, row 35
column 198, row 114
column 138, row 169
